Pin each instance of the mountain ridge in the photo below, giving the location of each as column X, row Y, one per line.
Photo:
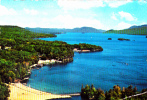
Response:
column 64, row 30
column 133, row 30
column 135, row 26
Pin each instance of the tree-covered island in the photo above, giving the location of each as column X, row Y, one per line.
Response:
column 20, row 48
column 123, row 39
column 83, row 47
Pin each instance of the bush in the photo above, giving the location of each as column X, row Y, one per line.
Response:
column 4, row 91
column 113, row 94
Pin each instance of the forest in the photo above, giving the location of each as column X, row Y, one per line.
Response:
column 90, row 92
column 84, row 46
column 20, row 48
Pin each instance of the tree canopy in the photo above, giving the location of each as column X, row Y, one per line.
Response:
column 113, row 94
column 21, row 48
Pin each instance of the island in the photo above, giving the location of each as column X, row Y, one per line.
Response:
column 83, row 47
column 109, row 38
column 122, row 39
column 21, row 50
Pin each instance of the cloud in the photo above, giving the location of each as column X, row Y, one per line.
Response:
column 5, row 11
column 114, row 16
column 86, row 4
column 34, row 12
column 31, row 12
column 143, row 23
column 141, row 2
column 44, row 13
column 67, row 21
column 123, row 25
column 79, row 4
column 116, row 3
column 70, row 22
column 127, row 16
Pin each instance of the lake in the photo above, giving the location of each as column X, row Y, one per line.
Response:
column 120, row 63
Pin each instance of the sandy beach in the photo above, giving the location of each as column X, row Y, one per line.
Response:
column 18, row 91
column 22, row 92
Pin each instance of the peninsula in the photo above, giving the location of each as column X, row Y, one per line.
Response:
column 20, row 49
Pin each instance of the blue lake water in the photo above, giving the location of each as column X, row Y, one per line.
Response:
column 121, row 63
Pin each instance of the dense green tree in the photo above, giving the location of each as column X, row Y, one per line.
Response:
column 113, row 94
column 99, row 95
column 129, row 91
column 25, row 49
column 4, row 91
column 91, row 93
column 84, row 46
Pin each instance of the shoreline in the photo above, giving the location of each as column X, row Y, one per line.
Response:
column 85, row 51
column 19, row 91
column 45, row 62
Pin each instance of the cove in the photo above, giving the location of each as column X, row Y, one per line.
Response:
column 120, row 63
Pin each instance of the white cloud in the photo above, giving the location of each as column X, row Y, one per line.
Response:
column 127, row 16
column 70, row 22
column 34, row 12
column 79, row 4
column 141, row 2
column 117, row 3
column 31, row 12
column 60, row 21
column 5, row 11
column 143, row 23
column 114, row 16
column 44, row 13
column 123, row 25
column 67, row 21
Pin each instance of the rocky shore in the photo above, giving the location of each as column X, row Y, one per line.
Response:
column 85, row 51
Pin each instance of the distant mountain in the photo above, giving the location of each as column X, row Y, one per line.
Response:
column 137, row 26
column 134, row 30
column 87, row 30
column 46, row 30
column 57, row 30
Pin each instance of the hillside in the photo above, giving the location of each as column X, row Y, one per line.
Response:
column 137, row 26
column 133, row 30
column 57, row 30
column 19, row 50
column 16, row 32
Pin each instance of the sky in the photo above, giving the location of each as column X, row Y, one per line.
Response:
column 100, row 14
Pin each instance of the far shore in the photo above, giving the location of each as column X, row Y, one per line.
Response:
column 19, row 91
